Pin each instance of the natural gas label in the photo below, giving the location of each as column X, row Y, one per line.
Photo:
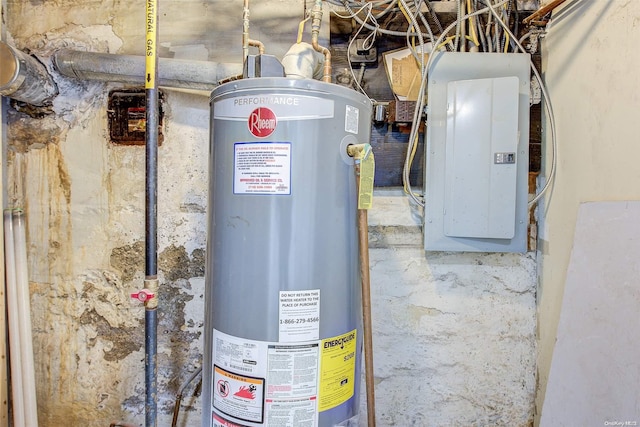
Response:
column 299, row 315
column 262, row 168
column 337, row 370
column 151, row 40
column 239, row 396
column 285, row 106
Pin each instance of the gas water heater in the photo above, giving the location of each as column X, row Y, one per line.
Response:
column 283, row 306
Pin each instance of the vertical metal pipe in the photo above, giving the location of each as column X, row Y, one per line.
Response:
column 316, row 20
column 151, row 214
column 245, row 30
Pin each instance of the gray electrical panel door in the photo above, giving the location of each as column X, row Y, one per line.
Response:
column 480, row 158
column 476, row 180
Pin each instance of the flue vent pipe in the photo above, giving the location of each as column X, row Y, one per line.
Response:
column 24, row 78
column 178, row 73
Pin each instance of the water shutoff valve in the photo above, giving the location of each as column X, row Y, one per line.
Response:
column 143, row 295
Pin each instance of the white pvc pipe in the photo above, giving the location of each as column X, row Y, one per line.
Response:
column 17, row 402
column 24, row 313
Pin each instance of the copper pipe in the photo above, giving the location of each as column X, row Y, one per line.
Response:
column 355, row 151
column 316, row 19
column 246, row 41
column 258, row 44
column 542, row 11
column 245, row 30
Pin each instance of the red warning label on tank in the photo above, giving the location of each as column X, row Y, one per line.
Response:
column 262, row 122
column 238, row 396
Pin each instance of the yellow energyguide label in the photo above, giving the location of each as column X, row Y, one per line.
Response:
column 337, row 370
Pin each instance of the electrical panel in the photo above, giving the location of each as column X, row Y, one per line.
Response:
column 477, row 155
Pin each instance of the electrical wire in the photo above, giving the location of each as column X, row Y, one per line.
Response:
column 415, row 125
column 413, row 138
column 548, row 107
column 389, row 7
column 377, row 28
column 367, row 43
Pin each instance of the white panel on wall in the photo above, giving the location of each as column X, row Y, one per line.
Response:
column 480, row 161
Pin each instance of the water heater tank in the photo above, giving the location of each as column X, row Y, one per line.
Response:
column 283, row 307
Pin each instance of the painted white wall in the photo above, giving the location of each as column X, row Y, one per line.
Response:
column 454, row 341
column 591, row 68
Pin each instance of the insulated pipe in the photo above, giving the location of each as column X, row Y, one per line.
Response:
column 245, row 30
column 179, row 73
column 302, row 61
column 246, row 41
column 24, row 78
column 316, row 19
column 151, row 214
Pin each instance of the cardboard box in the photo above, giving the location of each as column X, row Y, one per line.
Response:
column 403, row 73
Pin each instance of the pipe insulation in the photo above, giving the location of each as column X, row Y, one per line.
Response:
column 178, row 73
column 302, row 61
column 24, row 78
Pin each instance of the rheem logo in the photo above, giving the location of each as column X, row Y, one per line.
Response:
column 262, row 122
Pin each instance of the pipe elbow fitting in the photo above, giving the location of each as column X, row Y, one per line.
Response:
column 302, row 61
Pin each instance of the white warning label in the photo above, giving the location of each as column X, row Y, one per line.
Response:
column 299, row 315
column 262, row 168
column 239, row 396
column 291, row 396
column 351, row 119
